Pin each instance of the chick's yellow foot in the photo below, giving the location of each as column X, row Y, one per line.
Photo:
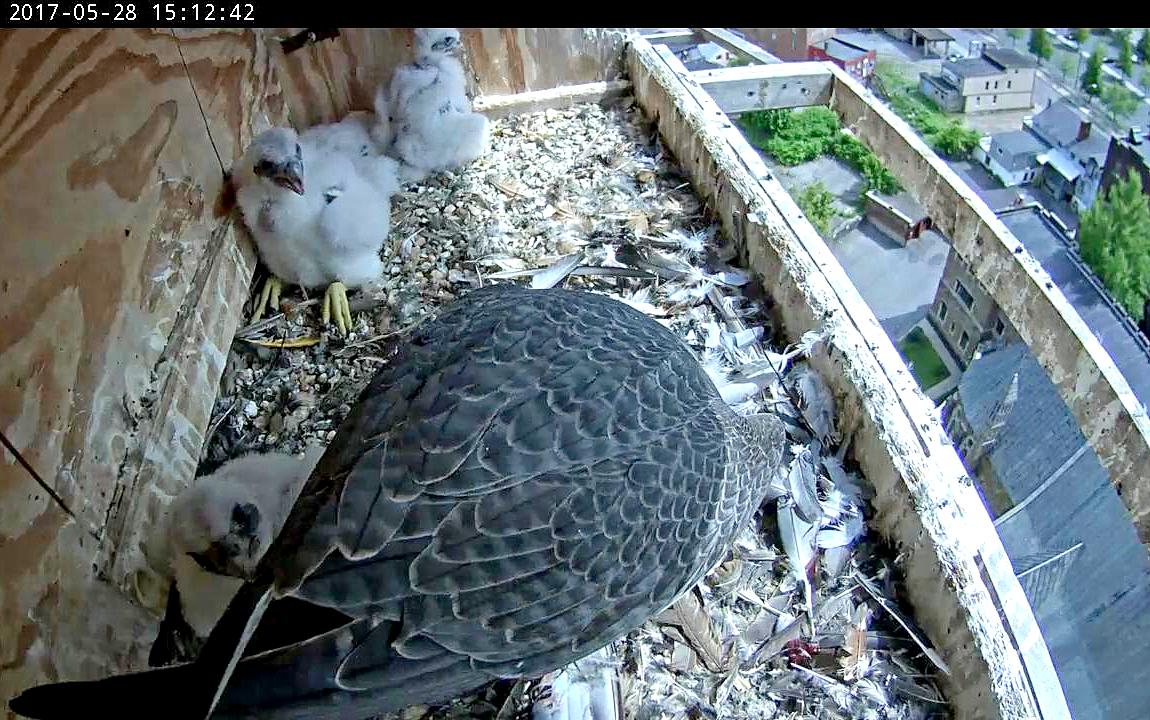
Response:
column 335, row 304
column 269, row 297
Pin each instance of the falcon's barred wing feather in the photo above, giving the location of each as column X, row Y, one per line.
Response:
column 511, row 477
column 533, row 476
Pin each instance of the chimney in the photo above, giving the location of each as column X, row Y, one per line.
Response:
column 1083, row 131
column 1134, row 137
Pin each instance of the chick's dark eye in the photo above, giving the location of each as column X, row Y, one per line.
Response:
column 264, row 167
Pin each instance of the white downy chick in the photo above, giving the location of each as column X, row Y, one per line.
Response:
column 318, row 206
column 218, row 529
column 430, row 115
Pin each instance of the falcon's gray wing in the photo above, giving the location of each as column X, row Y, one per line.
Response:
column 536, row 480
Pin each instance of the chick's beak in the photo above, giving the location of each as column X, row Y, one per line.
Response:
column 290, row 177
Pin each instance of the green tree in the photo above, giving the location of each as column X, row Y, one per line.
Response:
column 1080, row 35
column 956, row 141
column 1015, row 35
column 1144, row 46
column 1092, row 77
column 1066, row 63
column 1144, row 79
column 1114, row 239
column 1040, row 44
column 1119, row 102
column 1126, row 54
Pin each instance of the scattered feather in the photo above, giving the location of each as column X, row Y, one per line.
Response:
column 690, row 619
column 802, row 483
column 557, row 272
column 906, row 623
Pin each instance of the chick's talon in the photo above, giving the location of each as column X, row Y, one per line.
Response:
column 335, row 304
column 269, row 297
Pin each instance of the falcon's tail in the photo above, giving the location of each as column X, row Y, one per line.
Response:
column 294, row 682
column 136, row 695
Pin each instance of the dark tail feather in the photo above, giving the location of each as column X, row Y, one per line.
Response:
column 128, row 697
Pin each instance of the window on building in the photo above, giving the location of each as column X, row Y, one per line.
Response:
column 994, row 99
column 963, row 294
column 942, row 310
column 977, row 99
column 951, row 327
column 1008, row 84
column 964, row 340
column 987, row 85
column 995, row 84
column 999, row 326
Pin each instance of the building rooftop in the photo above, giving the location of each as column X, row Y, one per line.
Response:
column 1050, row 246
column 933, row 34
column 1062, row 496
column 1019, row 142
column 1094, row 147
column 939, row 80
column 902, row 202
column 1060, row 123
column 1007, row 58
column 1062, row 163
column 972, row 67
column 842, row 50
column 1039, row 434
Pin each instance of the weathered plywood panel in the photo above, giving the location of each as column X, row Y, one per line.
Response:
column 237, row 92
column 324, row 80
column 120, row 282
column 1114, row 422
column 958, row 576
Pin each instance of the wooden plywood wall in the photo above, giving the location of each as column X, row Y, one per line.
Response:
column 123, row 277
column 324, row 80
column 121, row 281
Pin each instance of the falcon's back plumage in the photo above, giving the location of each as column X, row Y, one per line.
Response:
column 533, row 476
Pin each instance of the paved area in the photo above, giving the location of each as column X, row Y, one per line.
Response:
column 898, row 283
column 840, row 180
column 893, row 280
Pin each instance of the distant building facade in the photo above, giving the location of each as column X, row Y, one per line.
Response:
column 1072, row 166
column 1124, row 154
column 1013, row 157
column 855, row 59
column 788, row 43
column 1058, row 149
column 999, row 79
column 933, row 41
column 966, row 316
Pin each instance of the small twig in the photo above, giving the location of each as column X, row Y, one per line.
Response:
column 220, row 421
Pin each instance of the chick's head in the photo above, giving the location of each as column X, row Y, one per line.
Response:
column 431, row 41
column 275, row 156
column 221, row 527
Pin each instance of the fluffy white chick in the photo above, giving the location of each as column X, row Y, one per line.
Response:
column 430, row 115
column 217, row 530
column 318, row 206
